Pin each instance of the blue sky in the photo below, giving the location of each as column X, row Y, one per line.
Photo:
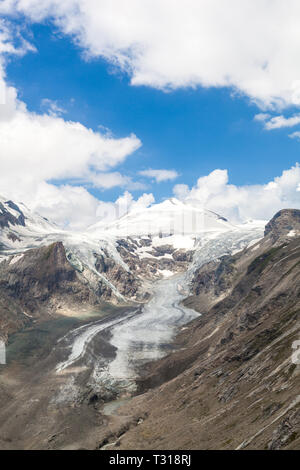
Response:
column 192, row 131
column 169, row 92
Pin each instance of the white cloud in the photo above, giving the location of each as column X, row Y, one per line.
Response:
column 295, row 135
column 262, row 117
column 53, row 108
column 73, row 207
column 37, row 148
column 11, row 40
column 250, row 45
column 11, row 43
column 43, row 147
column 242, row 202
column 181, row 191
column 110, row 211
column 111, row 180
column 277, row 122
column 69, row 206
column 126, row 202
column 160, row 175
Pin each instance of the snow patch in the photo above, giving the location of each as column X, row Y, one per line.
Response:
column 165, row 272
column 16, row 258
column 292, row 233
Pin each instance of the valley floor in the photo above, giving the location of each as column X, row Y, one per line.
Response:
column 66, row 378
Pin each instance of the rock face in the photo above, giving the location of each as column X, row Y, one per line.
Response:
column 39, row 283
column 234, row 382
column 154, row 259
column 46, row 281
column 6, row 217
column 283, row 223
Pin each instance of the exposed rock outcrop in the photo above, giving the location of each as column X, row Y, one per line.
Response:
column 284, row 222
column 6, row 217
column 41, row 282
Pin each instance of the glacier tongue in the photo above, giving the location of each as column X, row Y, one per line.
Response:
column 146, row 336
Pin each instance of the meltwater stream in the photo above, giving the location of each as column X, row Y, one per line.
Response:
column 138, row 337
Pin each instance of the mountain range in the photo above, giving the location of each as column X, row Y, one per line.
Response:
column 171, row 315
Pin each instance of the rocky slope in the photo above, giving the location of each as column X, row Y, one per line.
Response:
column 234, row 382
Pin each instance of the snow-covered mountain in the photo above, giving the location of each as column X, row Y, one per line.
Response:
column 171, row 217
column 22, row 229
column 169, row 223
column 115, row 262
column 180, row 225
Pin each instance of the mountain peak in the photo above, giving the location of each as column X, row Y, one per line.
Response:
column 170, row 217
column 285, row 223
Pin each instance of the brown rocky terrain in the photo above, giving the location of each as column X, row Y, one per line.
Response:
column 157, row 258
column 43, row 283
column 6, row 218
column 233, row 383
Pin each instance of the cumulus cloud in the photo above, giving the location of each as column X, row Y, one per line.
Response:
column 181, row 191
column 71, row 207
column 277, row 122
column 42, row 147
column 48, row 147
column 36, row 149
column 165, row 45
column 52, row 107
column 250, row 45
column 110, row 211
column 11, row 40
column 111, row 180
column 239, row 203
column 159, row 175
column 295, row 135
column 262, row 117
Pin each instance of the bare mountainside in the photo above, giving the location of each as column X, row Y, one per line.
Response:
column 234, row 383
